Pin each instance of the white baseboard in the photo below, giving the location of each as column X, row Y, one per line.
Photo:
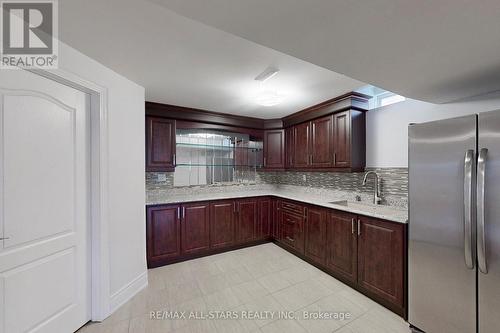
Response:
column 127, row 292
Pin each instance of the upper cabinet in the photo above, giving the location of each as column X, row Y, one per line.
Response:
column 334, row 142
column 160, row 144
column 274, row 149
column 322, row 142
column 329, row 136
column 301, row 145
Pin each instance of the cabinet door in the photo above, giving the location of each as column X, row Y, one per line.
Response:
column 321, row 142
column 195, row 227
column 315, row 234
column 342, row 250
column 163, row 233
column 160, row 144
column 246, row 229
column 301, row 153
column 276, row 220
column 222, row 223
column 342, row 139
column 264, row 218
column 380, row 259
column 292, row 233
column 289, row 141
column 274, row 149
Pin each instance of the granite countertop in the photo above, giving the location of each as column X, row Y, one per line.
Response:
column 319, row 198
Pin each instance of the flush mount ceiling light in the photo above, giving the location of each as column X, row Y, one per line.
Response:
column 268, row 73
column 269, row 98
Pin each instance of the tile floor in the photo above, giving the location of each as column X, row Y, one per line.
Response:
column 248, row 281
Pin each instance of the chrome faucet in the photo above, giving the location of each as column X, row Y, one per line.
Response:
column 376, row 195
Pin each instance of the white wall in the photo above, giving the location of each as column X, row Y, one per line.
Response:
column 126, row 150
column 387, row 127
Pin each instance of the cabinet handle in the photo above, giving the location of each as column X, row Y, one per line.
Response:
column 183, row 212
column 178, row 213
column 334, row 158
column 359, row 227
column 290, row 239
column 175, row 160
column 352, row 226
column 234, row 207
column 4, row 238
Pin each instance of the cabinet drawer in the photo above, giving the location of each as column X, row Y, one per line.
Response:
column 292, row 231
column 291, row 207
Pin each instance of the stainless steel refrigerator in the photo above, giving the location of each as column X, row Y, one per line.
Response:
column 454, row 225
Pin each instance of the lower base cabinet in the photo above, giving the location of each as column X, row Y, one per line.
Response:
column 163, row 232
column 195, row 232
column 222, row 223
column 381, row 253
column 292, row 231
column 366, row 253
column 246, row 225
column 184, row 231
column 342, row 245
column 291, row 220
column 316, row 234
column 264, row 220
column 369, row 254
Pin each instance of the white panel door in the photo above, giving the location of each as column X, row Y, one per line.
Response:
column 44, row 205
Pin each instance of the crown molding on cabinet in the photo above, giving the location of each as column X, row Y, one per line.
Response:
column 349, row 101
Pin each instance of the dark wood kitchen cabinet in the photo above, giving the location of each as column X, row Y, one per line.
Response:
column 291, row 219
column 292, row 234
column 381, row 253
column 368, row 254
column 264, row 220
column 349, row 146
column 342, row 245
column 322, row 142
column 195, row 232
column 275, row 230
column 289, row 147
column 274, row 149
column 342, row 139
column 222, row 223
column 163, row 233
column 160, row 144
column 315, row 234
column 246, row 226
column 333, row 142
column 301, row 145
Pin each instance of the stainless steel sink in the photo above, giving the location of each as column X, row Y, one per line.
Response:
column 340, row 202
column 353, row 204
column 365, row 206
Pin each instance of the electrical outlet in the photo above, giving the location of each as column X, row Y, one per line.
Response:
column 304, row 178
column 162, row 177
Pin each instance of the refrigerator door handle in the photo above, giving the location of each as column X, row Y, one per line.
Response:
column 468, row 211
column 481, row 244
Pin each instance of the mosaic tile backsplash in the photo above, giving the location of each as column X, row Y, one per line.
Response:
column 393, row 182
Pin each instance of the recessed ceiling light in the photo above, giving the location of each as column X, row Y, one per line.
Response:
column 269, row 98
column 267, row 74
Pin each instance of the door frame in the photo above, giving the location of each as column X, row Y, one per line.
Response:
column 99, row 190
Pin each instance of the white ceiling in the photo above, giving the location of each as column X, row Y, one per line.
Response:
column 183, row 62
column 432, row 50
